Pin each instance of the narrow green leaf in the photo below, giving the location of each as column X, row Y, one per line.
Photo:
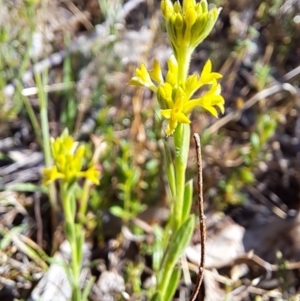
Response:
column 179, row 241
column 70, row 233
column 72, row 204
column 157, row 297
column 7, row 235
column 117, row 211
column 169, row 166
column 188, row 199
column 25, row 187
column 173, row 285
column 157, row 248
column 30, row 252
column 87, row 289
column 177, row 245
column 247, row 176
column 4, row 242
column 255, row 141
column 79, row 243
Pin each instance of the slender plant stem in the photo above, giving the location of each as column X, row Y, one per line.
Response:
column 201, row 219
column 182, row 144
column 181, row 141
column 41, row 82
column 67, row 199
column 183, row 57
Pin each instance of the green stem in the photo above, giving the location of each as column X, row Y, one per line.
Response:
column 127, row 198
column 182, row 144
column 181, row 140
column 69, row 208
column 41, row 82
column 183, row 56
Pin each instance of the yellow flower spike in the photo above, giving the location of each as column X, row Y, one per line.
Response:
column 143, row 78
column 174, row 116
column 51, row 174
column 156, row 73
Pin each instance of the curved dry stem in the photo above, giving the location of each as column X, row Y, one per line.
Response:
column 201, row 219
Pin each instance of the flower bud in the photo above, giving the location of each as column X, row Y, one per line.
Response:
column 167, row 8
column 164, row 96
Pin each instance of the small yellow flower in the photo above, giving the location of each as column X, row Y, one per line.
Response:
column 175, row 99
column 172, row 73
column 164, row 89
column 174, row 116
column 156, row 73
column 68, row 159
column 143, row 78
column 182, row 108
column 62, row 145
column 165, row 96
column 194, row 82
column 208, row 101
column 51, row 174
column 92, row 174
column 208, row 77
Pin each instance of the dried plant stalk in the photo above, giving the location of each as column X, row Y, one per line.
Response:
column 201, row 219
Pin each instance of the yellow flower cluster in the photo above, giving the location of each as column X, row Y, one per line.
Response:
column 187, row 26
column 67, row 162
column 175, row 99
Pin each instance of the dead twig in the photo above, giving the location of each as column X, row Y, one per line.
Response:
column 201, row 219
